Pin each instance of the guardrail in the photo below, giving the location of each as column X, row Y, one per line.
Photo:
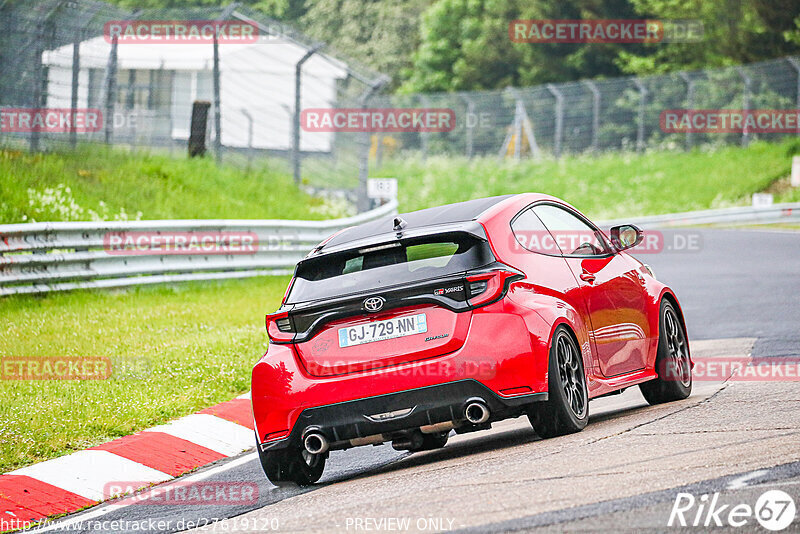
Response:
column 773, row 214
column 43, row 257
column 59, row 256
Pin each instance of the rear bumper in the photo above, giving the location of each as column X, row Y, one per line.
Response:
column 502, row 360
column 404, row 410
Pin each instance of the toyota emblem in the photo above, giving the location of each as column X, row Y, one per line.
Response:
column 374, row 304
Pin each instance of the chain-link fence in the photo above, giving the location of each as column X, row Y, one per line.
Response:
column 589, row 116
column 80, row 71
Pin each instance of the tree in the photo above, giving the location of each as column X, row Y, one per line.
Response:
column 287, row 10
column 465, row 45
column 735, row 32
column 382, row 35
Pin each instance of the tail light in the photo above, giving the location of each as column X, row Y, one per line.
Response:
column 279, row 327
column 486, row 287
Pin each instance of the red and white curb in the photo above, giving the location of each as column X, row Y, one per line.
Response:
column 84, row 478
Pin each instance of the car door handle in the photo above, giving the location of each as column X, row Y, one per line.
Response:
column 587, row 277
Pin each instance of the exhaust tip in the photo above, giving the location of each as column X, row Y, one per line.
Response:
column 315, row 443
column 476, row 412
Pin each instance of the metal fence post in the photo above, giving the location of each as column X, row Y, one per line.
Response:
column 558, row 134
column 171, row 122
column 249, row 137
column 290, row 114
column 519, row 113
column 76, row 70
column 424, row 136
column 80, row 35
column 362, row 202
column 224, row 14
column 110, row 91
column 217, row 104
column 595, row 113
column 298, row 73
column 6, row 18
column 640, row 121
column 745, row 103
column 45, row 33
column 468, row 125
column 37, row 82
column 4, row 39
column 796, row 64
column 689, row 104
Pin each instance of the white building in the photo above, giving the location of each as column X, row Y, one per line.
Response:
column 157, row 83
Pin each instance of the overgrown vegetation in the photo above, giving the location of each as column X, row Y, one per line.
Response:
column 98, row 183
column 605, row 186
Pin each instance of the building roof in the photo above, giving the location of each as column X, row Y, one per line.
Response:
column 268, row 55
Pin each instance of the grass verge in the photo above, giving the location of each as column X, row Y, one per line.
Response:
column 607, row 186
column 175, row 350
column 97, row 182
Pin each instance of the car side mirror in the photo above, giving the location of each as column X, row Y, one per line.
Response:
column 626, row 236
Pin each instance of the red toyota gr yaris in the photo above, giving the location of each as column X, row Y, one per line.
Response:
column 405, row 328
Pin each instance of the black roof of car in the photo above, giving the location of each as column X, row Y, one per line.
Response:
column 440, row 215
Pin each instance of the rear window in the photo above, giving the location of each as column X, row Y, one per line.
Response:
column 388, row 264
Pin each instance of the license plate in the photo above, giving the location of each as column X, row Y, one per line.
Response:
column 382, row 330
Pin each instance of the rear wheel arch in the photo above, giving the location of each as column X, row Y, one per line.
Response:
column 570, row 328
column 558, row 415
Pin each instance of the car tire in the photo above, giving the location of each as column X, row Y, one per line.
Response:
column 673, row 365
column 292, row 466
column 566, row 409
column 434, row 441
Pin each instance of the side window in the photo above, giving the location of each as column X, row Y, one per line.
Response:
column 573, row 236
column 532, row 235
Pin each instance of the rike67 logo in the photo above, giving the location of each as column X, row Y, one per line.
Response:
column 774, row 510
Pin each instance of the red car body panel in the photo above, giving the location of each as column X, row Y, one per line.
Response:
column 504, row 345
column 319, row 360
column 282, row 388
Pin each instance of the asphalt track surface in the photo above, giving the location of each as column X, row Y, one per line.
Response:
column 740, row 292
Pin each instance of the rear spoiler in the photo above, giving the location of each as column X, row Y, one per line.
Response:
column 473, row 228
